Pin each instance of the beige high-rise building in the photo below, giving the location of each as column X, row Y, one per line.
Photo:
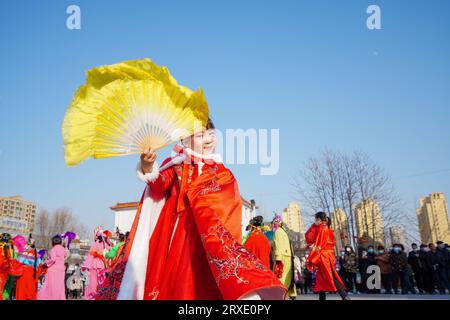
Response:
column 17, row 215
column 292, row 216
column 339, row 223
column 369, row 222
column 433, row 219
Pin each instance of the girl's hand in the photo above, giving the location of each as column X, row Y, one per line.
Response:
column 148, row 158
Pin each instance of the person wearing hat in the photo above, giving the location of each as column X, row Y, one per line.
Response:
column 282, row 256
column 95, row 263
column 257, row 243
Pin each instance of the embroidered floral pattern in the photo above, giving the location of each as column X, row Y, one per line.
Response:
column 234, row 257
column 154, row 294
column 111, row 280
column 110, row 287
column 209, row 187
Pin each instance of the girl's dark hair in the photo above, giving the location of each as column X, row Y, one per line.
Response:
column 210, row 124
column 323, row 217
column 121, row 237
column 56, row 240
column 258, row 221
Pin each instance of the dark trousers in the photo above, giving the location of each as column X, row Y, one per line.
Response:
column 363, row 285
column 407, row 284
column 306, row 287
column 398, row 281
column 343, row 277
column 350, row 281
column 428, row 282
column 418, row 277
column 442, row 281
column 386, row 281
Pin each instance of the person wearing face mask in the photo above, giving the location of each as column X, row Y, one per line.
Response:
column 417, row 266
column 383, row 262
column 435, row 265
column 340, row 266
column 185, row 241
column 366, row 259
column 351, row 268
column 371, row 258
column 427, row 268
column 443, row 259
column 399, row 261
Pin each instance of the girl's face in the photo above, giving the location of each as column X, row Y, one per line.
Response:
column 204, row 142
column 209, row 141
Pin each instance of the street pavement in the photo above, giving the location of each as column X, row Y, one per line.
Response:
column 378, row 297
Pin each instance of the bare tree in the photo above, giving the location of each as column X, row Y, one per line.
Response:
column 60, row 221
column 336, row 180
column 42, row 229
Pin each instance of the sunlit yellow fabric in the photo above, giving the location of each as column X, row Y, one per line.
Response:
column 124, row 108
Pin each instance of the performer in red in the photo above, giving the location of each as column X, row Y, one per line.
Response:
column 6, row 256
column 257, row 243
column 30, row 271
column 185, row 240
column 320, row 239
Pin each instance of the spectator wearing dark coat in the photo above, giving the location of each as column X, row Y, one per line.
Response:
column 427, row 268
column 443, row 260
column 366, row 259
column 340, row 266
column 417, row 266
column 350, row 268
column 383, row 262
column 399, row 261
column 435, row 261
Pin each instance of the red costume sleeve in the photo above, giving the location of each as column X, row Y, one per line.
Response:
column 237, row 271
column 319, row 243
column 164, row 180
column 16, row 268
column 310, row 235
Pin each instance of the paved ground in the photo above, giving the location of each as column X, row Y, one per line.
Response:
column 378, row 297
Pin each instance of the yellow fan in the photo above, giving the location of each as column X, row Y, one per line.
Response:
column 127, row 107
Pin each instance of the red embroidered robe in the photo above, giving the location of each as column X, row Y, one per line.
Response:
column 194, row 251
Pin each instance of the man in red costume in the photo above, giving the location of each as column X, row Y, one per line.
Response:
column 320, row 239
column 185, row 240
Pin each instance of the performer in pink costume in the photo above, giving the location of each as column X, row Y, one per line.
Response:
column 95, row 263
column 54, row 286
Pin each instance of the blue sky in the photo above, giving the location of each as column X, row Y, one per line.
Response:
column 310, row 68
